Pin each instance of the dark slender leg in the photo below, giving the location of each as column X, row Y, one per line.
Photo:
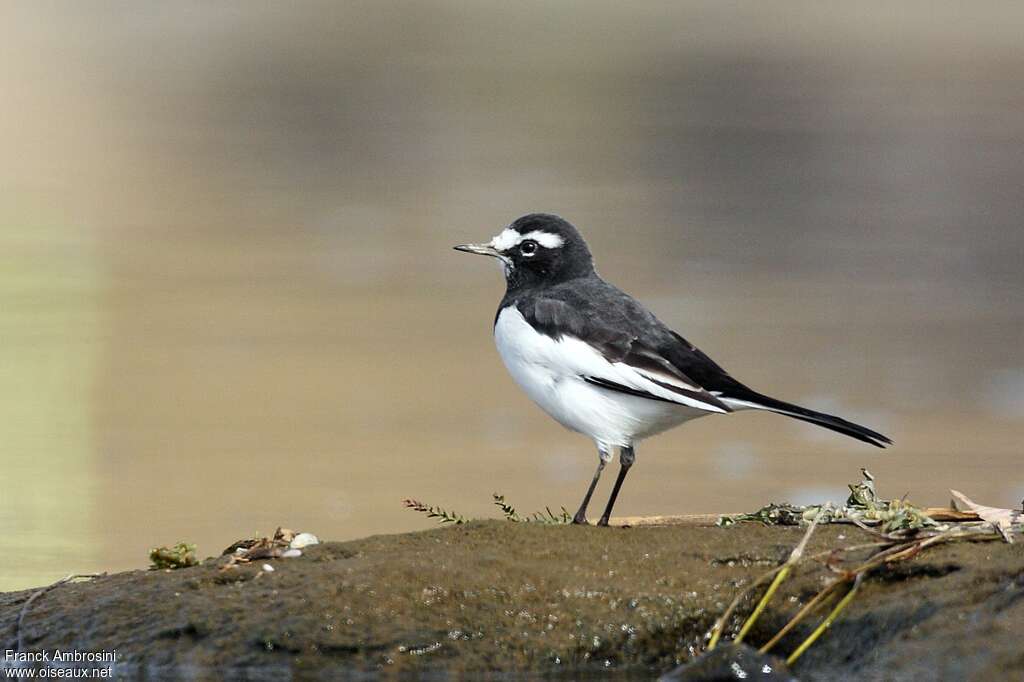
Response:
column 581, row 514
column 626, row 458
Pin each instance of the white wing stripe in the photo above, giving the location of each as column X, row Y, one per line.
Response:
column 667, row 379
column 635, row 378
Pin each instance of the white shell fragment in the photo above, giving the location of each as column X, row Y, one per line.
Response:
column 304, row 540
column 291, row 553
column 268, row 568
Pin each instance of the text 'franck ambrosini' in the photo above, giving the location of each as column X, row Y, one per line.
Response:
column 58, row 656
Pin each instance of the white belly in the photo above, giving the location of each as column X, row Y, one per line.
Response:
column 551, row 373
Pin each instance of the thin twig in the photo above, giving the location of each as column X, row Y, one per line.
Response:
column 865, row 527
column 851, row 548
column 893, row 546
column 894, row 553
column 675, row 520
column 39, row 593
column 716, row 631
column 903, row 551
column 798, row 551
column 825, row 624
column 779, row 575
column 824, row 594
column 761, row 605
column 801, row 614
column 794, row 558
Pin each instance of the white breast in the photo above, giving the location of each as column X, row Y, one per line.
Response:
column 552, row 374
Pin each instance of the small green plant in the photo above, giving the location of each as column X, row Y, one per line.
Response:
column 445, row 515
column 508, row 511
column 546, row 516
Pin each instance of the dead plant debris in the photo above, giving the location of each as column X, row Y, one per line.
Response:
column 866, row 509
column 284, row 544
column 903, row 532
column 181, row 555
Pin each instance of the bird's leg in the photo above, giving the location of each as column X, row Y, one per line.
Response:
column 604, row 456
column 626, row 459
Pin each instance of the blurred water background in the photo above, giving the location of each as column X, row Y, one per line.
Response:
column 228, row 299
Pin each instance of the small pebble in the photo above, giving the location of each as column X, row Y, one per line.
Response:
column 304, row 540
column 268, row 568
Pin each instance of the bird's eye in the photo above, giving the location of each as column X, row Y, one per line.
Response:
column 528, row 248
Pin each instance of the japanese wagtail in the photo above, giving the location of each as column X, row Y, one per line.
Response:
column 598, row 362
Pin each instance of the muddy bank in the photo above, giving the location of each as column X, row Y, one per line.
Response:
column 554, row 600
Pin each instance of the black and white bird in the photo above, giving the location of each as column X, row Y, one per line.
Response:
column 600, row 363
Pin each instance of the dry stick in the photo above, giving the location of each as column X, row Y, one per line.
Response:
column 896, row 550
column 865, row 527
column 807, row 609
column 678, row 520
column 903, row 551
column 892, row 545
column 794, row 558
column 719, row 626
column 851, row 548
column 825, row 624
column 716, row 631
column 895, row 553
column 880, row 557
column 40, row 592
column 936, row 513
column 761, row 605
column 820, row 597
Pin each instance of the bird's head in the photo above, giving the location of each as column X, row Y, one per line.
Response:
column 538, row 248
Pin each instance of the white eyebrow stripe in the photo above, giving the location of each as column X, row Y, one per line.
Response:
column 509, row 238
column 506, row 240
column 545, row 239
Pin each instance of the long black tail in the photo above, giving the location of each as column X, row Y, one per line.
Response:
column 847, row 428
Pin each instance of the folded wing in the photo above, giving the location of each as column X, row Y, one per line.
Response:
column 617, row 359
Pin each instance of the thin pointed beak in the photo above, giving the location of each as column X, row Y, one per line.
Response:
column 480, row 249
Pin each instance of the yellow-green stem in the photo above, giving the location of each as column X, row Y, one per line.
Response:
column 763, row 603
column 716, row 631
column 803, row 613
column 825, row 624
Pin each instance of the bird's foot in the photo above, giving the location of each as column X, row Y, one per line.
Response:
column 580, row 520
column 603, row 521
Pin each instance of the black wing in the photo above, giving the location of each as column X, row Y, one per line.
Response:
column 626, row 332
column 631, row 365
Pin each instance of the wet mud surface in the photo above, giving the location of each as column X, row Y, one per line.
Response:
column 536, row 600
